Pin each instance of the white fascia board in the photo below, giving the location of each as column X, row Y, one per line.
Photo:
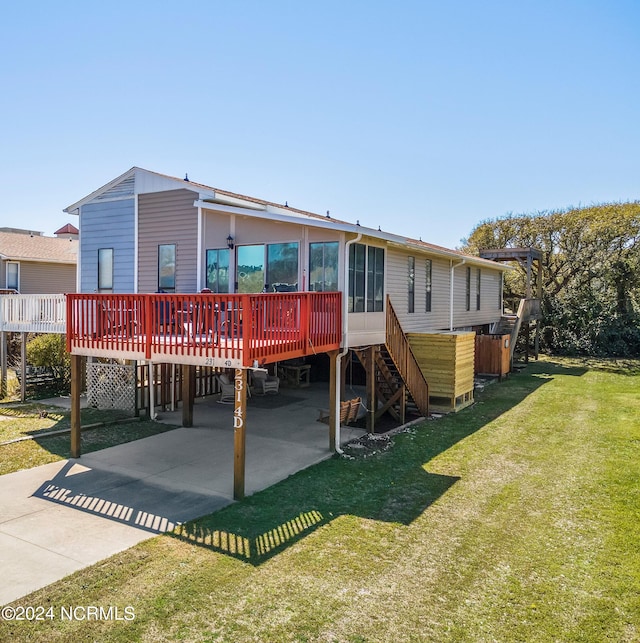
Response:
column 275, row 214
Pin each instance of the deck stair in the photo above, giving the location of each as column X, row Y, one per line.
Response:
column 400, row 386
column 528, row 310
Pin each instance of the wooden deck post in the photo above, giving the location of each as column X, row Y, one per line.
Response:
column 239, row 432
column 188, row 394
column 23, row 366
column 76, row 385
column 371, row 389
column 333, row 383
column 3, row 364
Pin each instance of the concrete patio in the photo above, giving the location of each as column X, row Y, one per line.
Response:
column 61, row 517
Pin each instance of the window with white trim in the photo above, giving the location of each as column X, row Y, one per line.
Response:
column 366, row 278
column 428, row 285
column 13, row 275
column 105, row 270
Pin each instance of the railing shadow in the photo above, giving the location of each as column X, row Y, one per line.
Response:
column 135, row 502
column 394, row 486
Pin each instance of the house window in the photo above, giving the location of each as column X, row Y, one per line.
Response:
column 272, row 268
column 366, row 278
column 428, row 272
column 167, row 268
column 323, row 266
column 412, row 285
column 375, row 279
column 357, row 257
column 218, row 270
column 468, row 291
column 500, row 289
column 282, row 267
column 105, row 269
column 478, row 282
column 13, row 275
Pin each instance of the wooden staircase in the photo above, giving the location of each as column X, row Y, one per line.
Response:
column 400, row 386
column 528, row 310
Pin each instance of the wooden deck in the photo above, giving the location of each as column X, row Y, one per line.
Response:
column 222, row 330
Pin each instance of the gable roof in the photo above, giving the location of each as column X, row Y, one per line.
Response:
column 23, row 247
column 261, row 208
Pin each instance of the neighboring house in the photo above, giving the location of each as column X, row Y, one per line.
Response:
column 67, row 231
column 145, row 232
column 31, row 263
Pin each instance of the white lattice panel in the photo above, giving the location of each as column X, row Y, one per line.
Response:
column 111, row 386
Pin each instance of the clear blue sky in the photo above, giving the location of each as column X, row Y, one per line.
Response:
column 423, row 117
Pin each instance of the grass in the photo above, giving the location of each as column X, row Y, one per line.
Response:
column 33, row 419
column 515, row 520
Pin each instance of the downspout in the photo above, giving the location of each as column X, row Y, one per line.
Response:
column 345, row 334
column 452, row 268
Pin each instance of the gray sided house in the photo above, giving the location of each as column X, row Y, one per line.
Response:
column 34, row 264
column 145, row 232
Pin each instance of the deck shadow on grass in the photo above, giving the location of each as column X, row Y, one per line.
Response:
column 255, row 545
column 393, row 486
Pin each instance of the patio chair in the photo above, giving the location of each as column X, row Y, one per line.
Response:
column 227, row 389
column 264, row 383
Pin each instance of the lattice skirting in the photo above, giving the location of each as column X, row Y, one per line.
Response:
column 111, row 386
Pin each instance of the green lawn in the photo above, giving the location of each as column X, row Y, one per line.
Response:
column 33, row 419
column 517, row 519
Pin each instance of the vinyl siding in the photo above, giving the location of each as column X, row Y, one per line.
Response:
column 419, row 321
column 123, row 189
column 489, row 310
column 107, row 225
column 438, row 319
column 46, row 278
column 168, row 218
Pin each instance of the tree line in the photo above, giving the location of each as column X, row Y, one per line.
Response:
column 590, row 274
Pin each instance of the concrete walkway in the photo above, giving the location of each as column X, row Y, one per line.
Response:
column 61, row 517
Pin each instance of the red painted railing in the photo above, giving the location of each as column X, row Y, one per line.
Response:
column 209, row 329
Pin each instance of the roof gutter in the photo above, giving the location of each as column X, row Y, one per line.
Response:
column 345, row 335
column 452, row 267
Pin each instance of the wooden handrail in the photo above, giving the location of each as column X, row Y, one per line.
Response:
column 400, row 351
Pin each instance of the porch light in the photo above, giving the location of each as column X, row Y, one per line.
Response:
column 230, row 242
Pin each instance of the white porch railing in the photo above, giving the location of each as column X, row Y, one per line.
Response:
column 33, row 314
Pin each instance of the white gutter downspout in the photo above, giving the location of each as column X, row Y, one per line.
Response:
column 345, row 335
column 452, row 268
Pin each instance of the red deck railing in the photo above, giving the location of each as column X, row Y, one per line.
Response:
column 210, row 329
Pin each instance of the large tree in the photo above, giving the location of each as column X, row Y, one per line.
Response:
column 590, row 274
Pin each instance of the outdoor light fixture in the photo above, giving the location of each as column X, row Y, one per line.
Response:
column 230, row 242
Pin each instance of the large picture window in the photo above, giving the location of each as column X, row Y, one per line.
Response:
column 218, row 270
column 13, row 275
column 167, row 268
column 105, row 270
column 411, row 281
column 273, row 268
column 428, row 284
column 282, row 267
column 323, row 266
